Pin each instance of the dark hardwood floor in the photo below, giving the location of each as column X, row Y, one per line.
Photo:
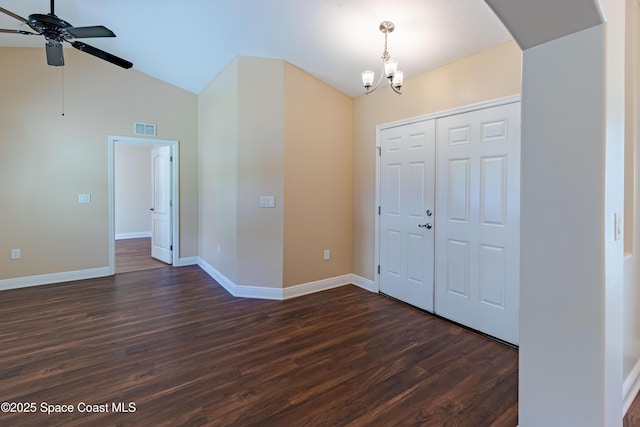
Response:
column 135, row 255
column 182, row 351
column 632, row 419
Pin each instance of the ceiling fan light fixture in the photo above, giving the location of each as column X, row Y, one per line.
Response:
column 389, row 66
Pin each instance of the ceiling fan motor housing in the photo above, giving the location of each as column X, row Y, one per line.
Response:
column 50, row 26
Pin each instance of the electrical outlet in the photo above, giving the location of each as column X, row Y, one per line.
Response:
column 327, row 254
column 15, row 253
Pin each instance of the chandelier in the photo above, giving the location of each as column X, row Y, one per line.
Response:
column 389, row 66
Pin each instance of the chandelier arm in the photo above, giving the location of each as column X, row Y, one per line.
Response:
column 379, row 80
column 395, row 90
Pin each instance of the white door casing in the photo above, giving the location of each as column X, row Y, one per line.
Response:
column 161, row 227
column 407, row 162
column 478, row 220
column 174, row 145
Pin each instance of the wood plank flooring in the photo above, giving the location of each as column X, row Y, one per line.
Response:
column 135, row 255
column 632, row 419
column 186, row 353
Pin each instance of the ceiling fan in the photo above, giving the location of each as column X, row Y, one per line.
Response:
column 56, row 31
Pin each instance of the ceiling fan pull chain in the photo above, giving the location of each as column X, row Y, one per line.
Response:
column 62, row 94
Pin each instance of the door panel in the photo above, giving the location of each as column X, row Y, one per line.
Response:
column 407, row 173
column 478, row 220
column 161, row 236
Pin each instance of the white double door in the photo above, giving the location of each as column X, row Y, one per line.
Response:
column 450, row 217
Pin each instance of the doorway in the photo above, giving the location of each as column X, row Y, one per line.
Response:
column 143, row 209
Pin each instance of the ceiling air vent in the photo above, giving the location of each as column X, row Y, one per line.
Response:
column 146, row 129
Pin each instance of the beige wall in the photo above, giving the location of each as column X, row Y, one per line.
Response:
column 318, row 179
column 49, row 159
column 241, row 158
column 261, row 137
column 490, row 74
column 218, row 170
column 132, row 188
column 260, row 171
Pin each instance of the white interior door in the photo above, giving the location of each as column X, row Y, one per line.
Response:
column 407, row 161
column 161, row 236
column 478, row 220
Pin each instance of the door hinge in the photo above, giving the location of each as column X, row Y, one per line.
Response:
column 171, row 247
column 171, row 158
column 379, row 210
column 379, row 151
column 378, row 268
column 171, row 203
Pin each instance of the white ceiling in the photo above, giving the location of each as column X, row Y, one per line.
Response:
column 188, row 43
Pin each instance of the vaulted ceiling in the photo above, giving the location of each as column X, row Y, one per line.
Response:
column 188, row 43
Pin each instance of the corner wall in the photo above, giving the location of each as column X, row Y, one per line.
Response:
column 269, row 129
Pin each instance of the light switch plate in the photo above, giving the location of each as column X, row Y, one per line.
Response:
column 617, row 226
column 84, row 198
column 267, row 201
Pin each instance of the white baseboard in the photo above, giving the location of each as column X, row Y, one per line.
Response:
column 47, row 279
column 274, row 293
column 136, row 235
column 183, row 262
column 239, row 291
column 317, row 286
column 631, row 387
column 235, row 290
column 363, row 283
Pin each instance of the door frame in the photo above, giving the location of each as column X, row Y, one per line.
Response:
column 437, row 115
column 175, row 193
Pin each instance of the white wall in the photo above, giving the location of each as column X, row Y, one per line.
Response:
column 562, row 258
column 631, row 372
column 132, row 167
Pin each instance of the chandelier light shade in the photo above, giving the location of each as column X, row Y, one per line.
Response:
column 389, row 66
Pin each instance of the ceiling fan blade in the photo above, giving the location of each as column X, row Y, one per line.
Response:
column 55, row 56
column 18, row 32
column 88, row 32
column 102, row 55
column 13, row 15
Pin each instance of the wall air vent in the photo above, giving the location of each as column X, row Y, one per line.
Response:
column 146, row 129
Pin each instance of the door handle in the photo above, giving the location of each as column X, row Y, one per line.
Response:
column 151, row 209
column 428, row 226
